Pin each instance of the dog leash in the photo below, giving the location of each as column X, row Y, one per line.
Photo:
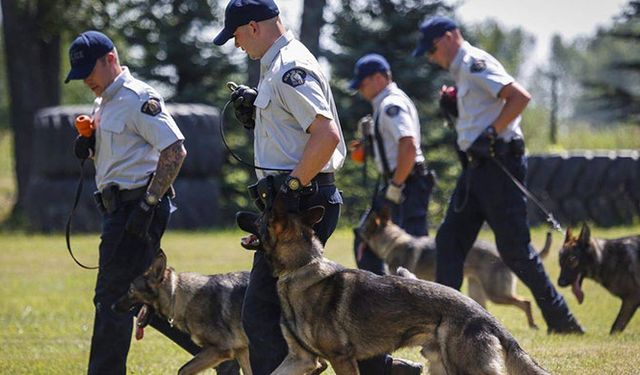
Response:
column 73, row 209
column 550, row 219
column 232, row 86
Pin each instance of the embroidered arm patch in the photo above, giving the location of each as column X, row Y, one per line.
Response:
column 478, row 66
column 294, row 77
column 151, row 107
column 392, row 110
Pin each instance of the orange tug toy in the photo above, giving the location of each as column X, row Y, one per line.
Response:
column 84, row 125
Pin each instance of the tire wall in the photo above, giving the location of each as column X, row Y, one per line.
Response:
column 55, row 171
column 602, row 187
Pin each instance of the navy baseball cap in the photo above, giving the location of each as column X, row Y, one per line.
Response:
column 241, row 12
column 366, row 66
column 431, row 29
column 85, row 50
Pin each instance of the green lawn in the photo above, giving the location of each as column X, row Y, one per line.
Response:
column 46, row 311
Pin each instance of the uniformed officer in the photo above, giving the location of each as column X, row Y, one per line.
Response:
column 297, row 133
column 137, row 150
column 398, row 156
column 488, row 130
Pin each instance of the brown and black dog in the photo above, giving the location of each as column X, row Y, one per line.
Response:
column 614, row 264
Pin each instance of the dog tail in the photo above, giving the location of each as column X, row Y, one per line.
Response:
column 547, row 247
column 519, row 362
column 403, row 272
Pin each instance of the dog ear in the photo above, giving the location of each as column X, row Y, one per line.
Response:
column 156, row 271
column 585, row 234
column 313, row 215
column 568, row 236
column 385, row 214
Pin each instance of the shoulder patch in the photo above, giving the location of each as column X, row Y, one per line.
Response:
column 151, row 107
column 392, row 110
column 478, row 66
column 294, row 77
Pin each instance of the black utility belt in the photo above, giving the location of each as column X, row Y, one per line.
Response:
column 111, row 197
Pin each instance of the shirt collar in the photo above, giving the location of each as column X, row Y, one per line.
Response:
column 275, row 48
column 123, row 77
column 383, row 94
column 454, row 68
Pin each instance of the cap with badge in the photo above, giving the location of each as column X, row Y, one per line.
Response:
column 85, row 50
column 241, row 12
column 366, row 66
column 431, row 29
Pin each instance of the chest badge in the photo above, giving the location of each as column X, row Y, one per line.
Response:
column 151, row 107
column 294, row 77
column 478, row 66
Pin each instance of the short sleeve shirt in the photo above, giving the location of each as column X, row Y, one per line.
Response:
column 397, row 118
column 132, row 127
column 292, row 91
column 479, row 78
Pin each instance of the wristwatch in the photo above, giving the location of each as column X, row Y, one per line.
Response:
column 293, row 183
column 151, row 199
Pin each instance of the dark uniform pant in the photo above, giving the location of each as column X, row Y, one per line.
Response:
column 122, row 258
column 494, row 198
column 261, row 310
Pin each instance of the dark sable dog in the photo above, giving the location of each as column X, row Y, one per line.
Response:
column 344, row 315
column 206, row 307
column 487, row 275
column 615, row 264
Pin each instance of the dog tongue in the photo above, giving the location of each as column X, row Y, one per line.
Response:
column 576, row 288
column 140, row 322
column 361, row 248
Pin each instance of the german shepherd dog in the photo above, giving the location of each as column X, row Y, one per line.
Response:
column 487, row 275
column 344, row 315
column 615, row 264
column 206, row 307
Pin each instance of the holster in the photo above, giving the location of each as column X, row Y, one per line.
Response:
column 502, row 150
column 265, row 189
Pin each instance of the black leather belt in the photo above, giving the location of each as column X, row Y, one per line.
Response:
column 111, row 197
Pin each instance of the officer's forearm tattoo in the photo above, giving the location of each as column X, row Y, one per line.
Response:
column 169, row 164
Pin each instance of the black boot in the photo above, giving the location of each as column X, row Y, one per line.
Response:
column 570, row 326
column 401, row 366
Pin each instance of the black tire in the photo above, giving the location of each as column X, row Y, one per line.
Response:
column 198, row 202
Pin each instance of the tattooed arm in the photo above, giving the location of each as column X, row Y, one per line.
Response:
column 169, row 164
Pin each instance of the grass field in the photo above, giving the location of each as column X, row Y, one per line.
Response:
column 46, row 312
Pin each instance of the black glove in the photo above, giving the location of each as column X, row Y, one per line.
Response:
column 84, row 147
column 242, row 99
column 483, row 147
column 449, row 104
column 291, row 198
column 140, row 219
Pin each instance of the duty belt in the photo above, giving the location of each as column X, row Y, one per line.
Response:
column 111, row 197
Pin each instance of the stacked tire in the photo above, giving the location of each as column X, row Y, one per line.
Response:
column 55, row 171
column 602, row 187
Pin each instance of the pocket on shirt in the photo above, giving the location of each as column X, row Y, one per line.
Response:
column 262, row 103
column 109, row 132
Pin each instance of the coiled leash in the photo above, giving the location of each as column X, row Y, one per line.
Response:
column 232, row 86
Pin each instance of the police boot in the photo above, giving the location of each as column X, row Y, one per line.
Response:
column 401, row 366
column 570, row 326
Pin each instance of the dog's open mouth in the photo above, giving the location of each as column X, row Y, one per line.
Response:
column 576, row 288
column 250, row 242
column 142, row 319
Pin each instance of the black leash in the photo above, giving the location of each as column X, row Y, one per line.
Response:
column 68, row 226
column 550, row 219
column 232, row 86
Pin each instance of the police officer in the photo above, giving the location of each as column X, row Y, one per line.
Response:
column 488, row 130
column 137, row 150
column 398, row 156
column 297, row 136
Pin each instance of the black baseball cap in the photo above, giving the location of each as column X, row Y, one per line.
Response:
column 431, row 29
column 241, row 12
column 366, row 66
column 85, row 50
